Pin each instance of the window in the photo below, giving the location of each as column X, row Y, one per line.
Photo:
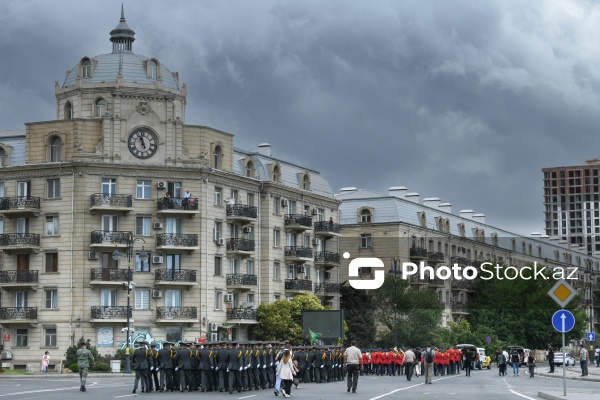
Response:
column 276, row 174
column 320, row 214
column 142, row 266
column 250, row 267
column 3, row 158
column 250, row 298
column 152, row 70
column 276, row 237
column 100, row 108
column 217, row 156
column 174, row 334
column 173, row 265
column 234, row 266
column 68, row 110
column 365, row 241
column 109, row 186
column 52, row 225
column 218, row 196
column 53, row 188
column 276, row 297
column 21, row 338
column 173, row 298
column 175, row 189
column 218, row 265
column 142, row 189
column 49, row 337
column 108, row 298
column 218, row 299
column 250, row 171
column 51, row 262
column 276, row 271
column 51, row 298
column 250, row 199
column 306, row 182
column 142, row 226
column 276, row 205
column 56, row 150
column 142, row 299
column 365, row 216
column 218, row 230
column 86, row 69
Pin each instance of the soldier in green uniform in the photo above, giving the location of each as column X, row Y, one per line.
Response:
column 84, row 357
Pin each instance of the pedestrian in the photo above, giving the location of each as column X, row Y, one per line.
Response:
column 235, row 365
column 286, row 372
column 550, row 354
column 153, row 372
column 597, row 355
column 183, row 364
column 141, row 365
column 531, row 364
column 501, row 364
column 353, row 361
column 583, row 357
column 84, row 358
column 45, row 362
column 515, row 361
column 409, row 359
column 468, row 359
column 428, row 357
column 186, row 199
column 165, row 365
column 418, row 362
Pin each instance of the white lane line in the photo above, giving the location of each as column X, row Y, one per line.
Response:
column 247, row 397
column 127, row 395
column 409, row 387
column 39, row 391
column 508, row 385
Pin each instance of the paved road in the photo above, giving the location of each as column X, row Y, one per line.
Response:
column 481, row 383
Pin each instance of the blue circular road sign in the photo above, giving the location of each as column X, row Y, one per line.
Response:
column 563, row 321
column 488, row 339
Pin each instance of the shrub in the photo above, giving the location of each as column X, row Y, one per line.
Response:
column 101, row 367
column 73, row 367
column 71, row 354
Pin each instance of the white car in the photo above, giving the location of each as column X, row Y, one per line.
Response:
column 558, row 359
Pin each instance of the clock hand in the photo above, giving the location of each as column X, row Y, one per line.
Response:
column 143, row 143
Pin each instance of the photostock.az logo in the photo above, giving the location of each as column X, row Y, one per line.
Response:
column 365, row 262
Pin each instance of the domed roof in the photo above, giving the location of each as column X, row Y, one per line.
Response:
column 122, row 62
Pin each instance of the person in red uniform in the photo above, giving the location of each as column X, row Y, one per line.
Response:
column 437, row 363
column 376, row 359
column 366, row 357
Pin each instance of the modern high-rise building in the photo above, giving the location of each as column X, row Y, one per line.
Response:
column 119, row 202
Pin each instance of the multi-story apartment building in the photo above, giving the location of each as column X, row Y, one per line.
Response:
column 119, row 169
column 572, row 204
column 398, row 226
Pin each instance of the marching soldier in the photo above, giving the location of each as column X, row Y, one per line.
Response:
column 165, row 364
column 309, row 375
column 206, row 367
column 270, row 365
column 183, row 364
column 235, row 367
column 84, row 357
column 301, row 356
column 245, row 361
column 221, row 366
column 141, row 364
column 262, row 368
column 153, row 372
column 196, row 365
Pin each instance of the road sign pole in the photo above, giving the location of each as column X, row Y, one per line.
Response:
column 564, row 361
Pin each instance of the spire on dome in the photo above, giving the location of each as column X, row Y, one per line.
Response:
column 122, row 36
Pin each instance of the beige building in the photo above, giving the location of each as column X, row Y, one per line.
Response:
column 397, row 225
column 113, row 172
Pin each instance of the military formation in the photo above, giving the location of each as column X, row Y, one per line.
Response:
column 230, row 366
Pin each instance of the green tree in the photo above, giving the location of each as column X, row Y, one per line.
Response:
column 71, row 354
column 461, row 332
column 359, row 315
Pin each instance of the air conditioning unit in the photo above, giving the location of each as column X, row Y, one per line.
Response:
column 161, row 185
column 329, row 303
column 247, row 229
column 327, row 275
column 157, row 259
column 92, row 255
column 314, row 211
column 214, row 337
column 213, row 327
column 158, row 225
column 156, row 294
column 284, row 202
column 229, row 298
column 220, row 241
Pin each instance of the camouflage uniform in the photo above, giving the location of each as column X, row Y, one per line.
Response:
column 84, row 356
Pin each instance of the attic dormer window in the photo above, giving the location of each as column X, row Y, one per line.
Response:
column 276, row 174
column 3, row 158
column 86, row 69
column 306, row 182
column 250, row 171
column 152, row 70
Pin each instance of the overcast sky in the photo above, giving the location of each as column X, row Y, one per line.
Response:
column 462, row 100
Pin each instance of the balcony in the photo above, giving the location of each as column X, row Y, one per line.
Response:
column 462, row 261
column 327, row 289
column 177, row 241
column 298, row 285
column 110, row 239
column 19, row 279
column 240, row 247
column 416, row 280
column 20, row 205
column 18, row 315
column 242, row 281
column 459, row 308
column 108, row 277
column 171, row 277
column 110, row 314
column 22, row 242
column 297, row 222
column 174, row 315
column 326, row 229
column 241, row 316
column 437, row 282
column 120, row 203
column 327, row 259
column 436, row 257
column 177, row 205
column 418, row 254
column 241, row 213
column 298, row 253
column 461, row 284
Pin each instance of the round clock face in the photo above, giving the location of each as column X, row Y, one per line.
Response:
column 142, row 143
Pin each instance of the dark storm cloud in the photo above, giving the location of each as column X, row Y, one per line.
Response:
column 463, row 100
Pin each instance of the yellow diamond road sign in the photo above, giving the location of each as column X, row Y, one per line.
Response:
column 562, row 293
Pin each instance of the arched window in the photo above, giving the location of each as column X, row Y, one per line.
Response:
column 100, row 107
column 56, row 150
column 276, row 174
column 68, row 110
column 306, row 182
column 365, row 216
column 3, row 158
column 217, row 157
column 152, row 70
column 86, row 69
column 250, row 169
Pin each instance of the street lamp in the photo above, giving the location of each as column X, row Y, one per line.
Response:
column 116, row 255
column 592, row 274
column 394, row 271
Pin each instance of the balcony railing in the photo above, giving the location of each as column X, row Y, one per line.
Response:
column 239, row 244
column 170, row 275
column 459, row 261
column 109, row 238
column 458, row 307
column 435, row 256
column 418, row 252
column 242, row 313
column 241, row 210
column 19, row 203
column 9, row 277
column 112, row 200
column 176, row 312
column 110, row 312
column 298, row 220
column 177, row 240
column 19, row 239
column 108, row 274
column 298, row 251
column 241, row 279
column 462, row 284
column 18, row 313
column 298, row 284
column 327, row 226
column 327, row 256
column 327, row 288
column 177, row 203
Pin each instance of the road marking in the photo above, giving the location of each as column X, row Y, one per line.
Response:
column 247, row 397
column 410, row 387
column 39, row 391
column 127, row 395
column 508, row 385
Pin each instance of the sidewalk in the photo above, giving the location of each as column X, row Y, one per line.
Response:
column 573, row 373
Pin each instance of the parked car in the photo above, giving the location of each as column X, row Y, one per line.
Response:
column 485, row 361
column 558, row 359
column 472, row 349
column 521, row 351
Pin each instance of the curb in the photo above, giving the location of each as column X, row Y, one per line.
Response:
column 72, row 375
column 572, row 378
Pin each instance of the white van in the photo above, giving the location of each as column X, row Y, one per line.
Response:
column 483, row 359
